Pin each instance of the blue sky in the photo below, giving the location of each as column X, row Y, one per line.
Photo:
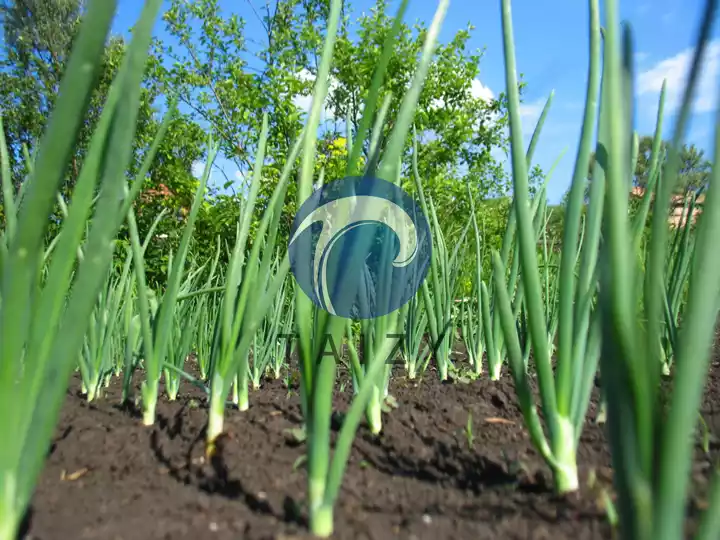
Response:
column 551, row 43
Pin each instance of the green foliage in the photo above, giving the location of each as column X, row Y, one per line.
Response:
column 224, row 84
column 457, row 119
column 227, row 85
column 171, row 186
column 36, row 45
column 694, row 171
column 38, row 35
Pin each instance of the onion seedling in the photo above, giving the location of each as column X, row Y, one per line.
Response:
column 471, row 330
column 131, row 319
column 208, row 316
column 102, row 343
column 652, row 445
column 678, row 271
column 417, row 355
column 319, row 333
column 42, row 322
column 249, row 291
column 285, row 341
column 372, row 330
column 378, row 329
column 184, row 328
column 565, row 394
column 471, row 314
column 266, row 338
column 491, row 321
column 375, row 332
column 439, row 290
column 157, row 325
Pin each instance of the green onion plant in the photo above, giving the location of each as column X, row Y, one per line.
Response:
column 157, row 324
column 441, row 286
column 564, row 392
column 652, row 443
column 246, row 299
column 265, row 340
column 100, row 351
column 185, row 326
column 43, row 311
column 471, row 309
column 416, row 353
column 319, row 332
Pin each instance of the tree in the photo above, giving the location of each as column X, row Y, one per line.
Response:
column 227, row 83
column 694, row 171
column 226, row 87
column 38, row 37
column 458, row 121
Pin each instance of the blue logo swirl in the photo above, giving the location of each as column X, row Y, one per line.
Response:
column 360, row 247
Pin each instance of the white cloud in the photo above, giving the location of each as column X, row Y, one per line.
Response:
column 437, row 103
column 198, row 168
column 304, row 103
column 243, row 178
column 530, row 114
column 479, row 91
column 675, row 70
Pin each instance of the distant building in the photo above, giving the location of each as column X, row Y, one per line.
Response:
column 676, row 218
column 162, row 193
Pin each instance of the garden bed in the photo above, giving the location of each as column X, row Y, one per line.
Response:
column 108, row 477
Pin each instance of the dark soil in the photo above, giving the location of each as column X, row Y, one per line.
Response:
column 108, row 477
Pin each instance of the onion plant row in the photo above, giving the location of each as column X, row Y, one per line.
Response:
column 618, row 292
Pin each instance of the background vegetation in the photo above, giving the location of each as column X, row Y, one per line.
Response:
column 224, row 84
